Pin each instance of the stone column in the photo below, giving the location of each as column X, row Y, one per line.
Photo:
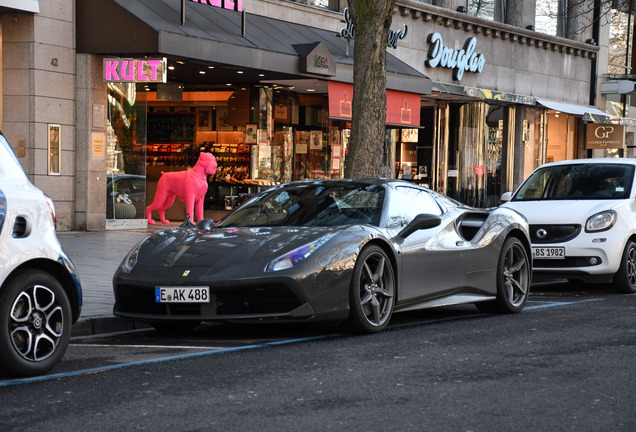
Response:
column 90, row 157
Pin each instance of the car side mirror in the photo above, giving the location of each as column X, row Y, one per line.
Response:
column 421, row 221
column 205, row 224
column 505, row 197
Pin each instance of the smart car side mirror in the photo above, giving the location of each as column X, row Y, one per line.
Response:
column 205, row 224
column 421, row 221
column 505, row 197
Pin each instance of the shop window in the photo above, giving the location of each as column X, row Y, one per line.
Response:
column 475, row 153
column 529, row 150
column 125, row 153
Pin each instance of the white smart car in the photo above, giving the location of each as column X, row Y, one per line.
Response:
column 40, row 293
column 582, row 216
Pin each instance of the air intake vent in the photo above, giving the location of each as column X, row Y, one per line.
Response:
column 21, row 227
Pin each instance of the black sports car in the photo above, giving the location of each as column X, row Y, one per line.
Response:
column 331, row 250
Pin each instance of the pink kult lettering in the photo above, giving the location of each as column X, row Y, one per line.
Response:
column 111, row 70
column 226, row 4
column 154, row 65
column 141, row 76
column 127, row 70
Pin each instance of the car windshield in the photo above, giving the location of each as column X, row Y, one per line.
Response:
column 311, row 204
column 578, row 181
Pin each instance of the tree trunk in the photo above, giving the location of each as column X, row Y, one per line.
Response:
column 371, row 20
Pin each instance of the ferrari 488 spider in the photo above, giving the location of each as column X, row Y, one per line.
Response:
column 331, row 250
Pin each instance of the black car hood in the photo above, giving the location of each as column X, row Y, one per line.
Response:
column 225, row 247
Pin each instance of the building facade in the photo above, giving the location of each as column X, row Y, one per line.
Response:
column 99, row 97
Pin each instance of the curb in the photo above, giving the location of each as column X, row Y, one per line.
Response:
column 100, row 325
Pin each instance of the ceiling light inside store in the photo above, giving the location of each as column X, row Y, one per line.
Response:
column 202, row 72
column 171, row 67
column 180, row 62
column 239, row 72
column 261, row 75
column 210, row 67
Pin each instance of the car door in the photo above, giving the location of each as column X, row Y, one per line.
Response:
column 431, row 259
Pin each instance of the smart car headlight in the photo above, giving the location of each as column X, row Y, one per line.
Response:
column 292, row 258
column 601, row 221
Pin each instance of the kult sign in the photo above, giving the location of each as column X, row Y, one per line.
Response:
column 135, row 70
column 460, row 60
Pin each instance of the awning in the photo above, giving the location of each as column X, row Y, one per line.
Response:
column 32, row 6
column 609, row 119
column 217, row 35
column 570, row 108
column 402, row 108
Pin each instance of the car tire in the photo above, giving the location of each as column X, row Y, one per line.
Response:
column 513, row 279
column 372, row 291
column 37, row 328
column 625, row 277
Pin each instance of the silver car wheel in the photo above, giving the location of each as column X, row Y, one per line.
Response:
column 516, row 280
column 625, row 277
column 36, row 323
column 372, row 291
column 37, row 330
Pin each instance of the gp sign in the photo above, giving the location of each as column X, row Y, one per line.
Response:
column 464, row 60
column 604, row 136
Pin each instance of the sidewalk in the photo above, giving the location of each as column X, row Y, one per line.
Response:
column 96, row 256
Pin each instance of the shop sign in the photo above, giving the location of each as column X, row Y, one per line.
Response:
column 402, row 108
column 463, row 60
column 225, row 4
column 135, row 70
column 315, row 58
column 604, row 136
column 392, row 39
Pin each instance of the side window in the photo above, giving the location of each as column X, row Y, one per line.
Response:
column 407, row 202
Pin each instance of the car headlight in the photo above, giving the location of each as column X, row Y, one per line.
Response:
column 601, row 221
column 131, row 259
column 292, row 258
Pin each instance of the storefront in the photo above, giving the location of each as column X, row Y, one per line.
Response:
column 491, row 112
column 275, row 113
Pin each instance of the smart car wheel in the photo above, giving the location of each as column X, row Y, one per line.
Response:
column 37, row 328
column 625, row 277
column 513, row 279
column 371, row 295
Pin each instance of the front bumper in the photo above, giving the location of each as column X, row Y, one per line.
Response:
column 322, row 297
column 593, row 254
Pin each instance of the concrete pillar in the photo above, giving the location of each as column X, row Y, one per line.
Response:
column 90, row 157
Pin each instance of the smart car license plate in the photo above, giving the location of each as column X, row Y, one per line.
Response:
column 192, row 294
column 548, row 252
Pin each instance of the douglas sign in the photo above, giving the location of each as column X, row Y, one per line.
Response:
column 464, row 60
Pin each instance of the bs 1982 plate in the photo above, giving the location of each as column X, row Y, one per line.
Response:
column 182, row 294
column 548, row 252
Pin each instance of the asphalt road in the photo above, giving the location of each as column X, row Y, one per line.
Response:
column 567, row 363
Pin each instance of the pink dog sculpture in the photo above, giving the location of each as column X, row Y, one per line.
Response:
column 189, row 186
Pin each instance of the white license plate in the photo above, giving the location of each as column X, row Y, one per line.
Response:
column 548, row 252
column 182, row 294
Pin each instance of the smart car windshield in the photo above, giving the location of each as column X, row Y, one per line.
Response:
column 311, row 204
column 578, row 182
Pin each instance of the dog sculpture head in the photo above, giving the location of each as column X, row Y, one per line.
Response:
column 208, row 162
